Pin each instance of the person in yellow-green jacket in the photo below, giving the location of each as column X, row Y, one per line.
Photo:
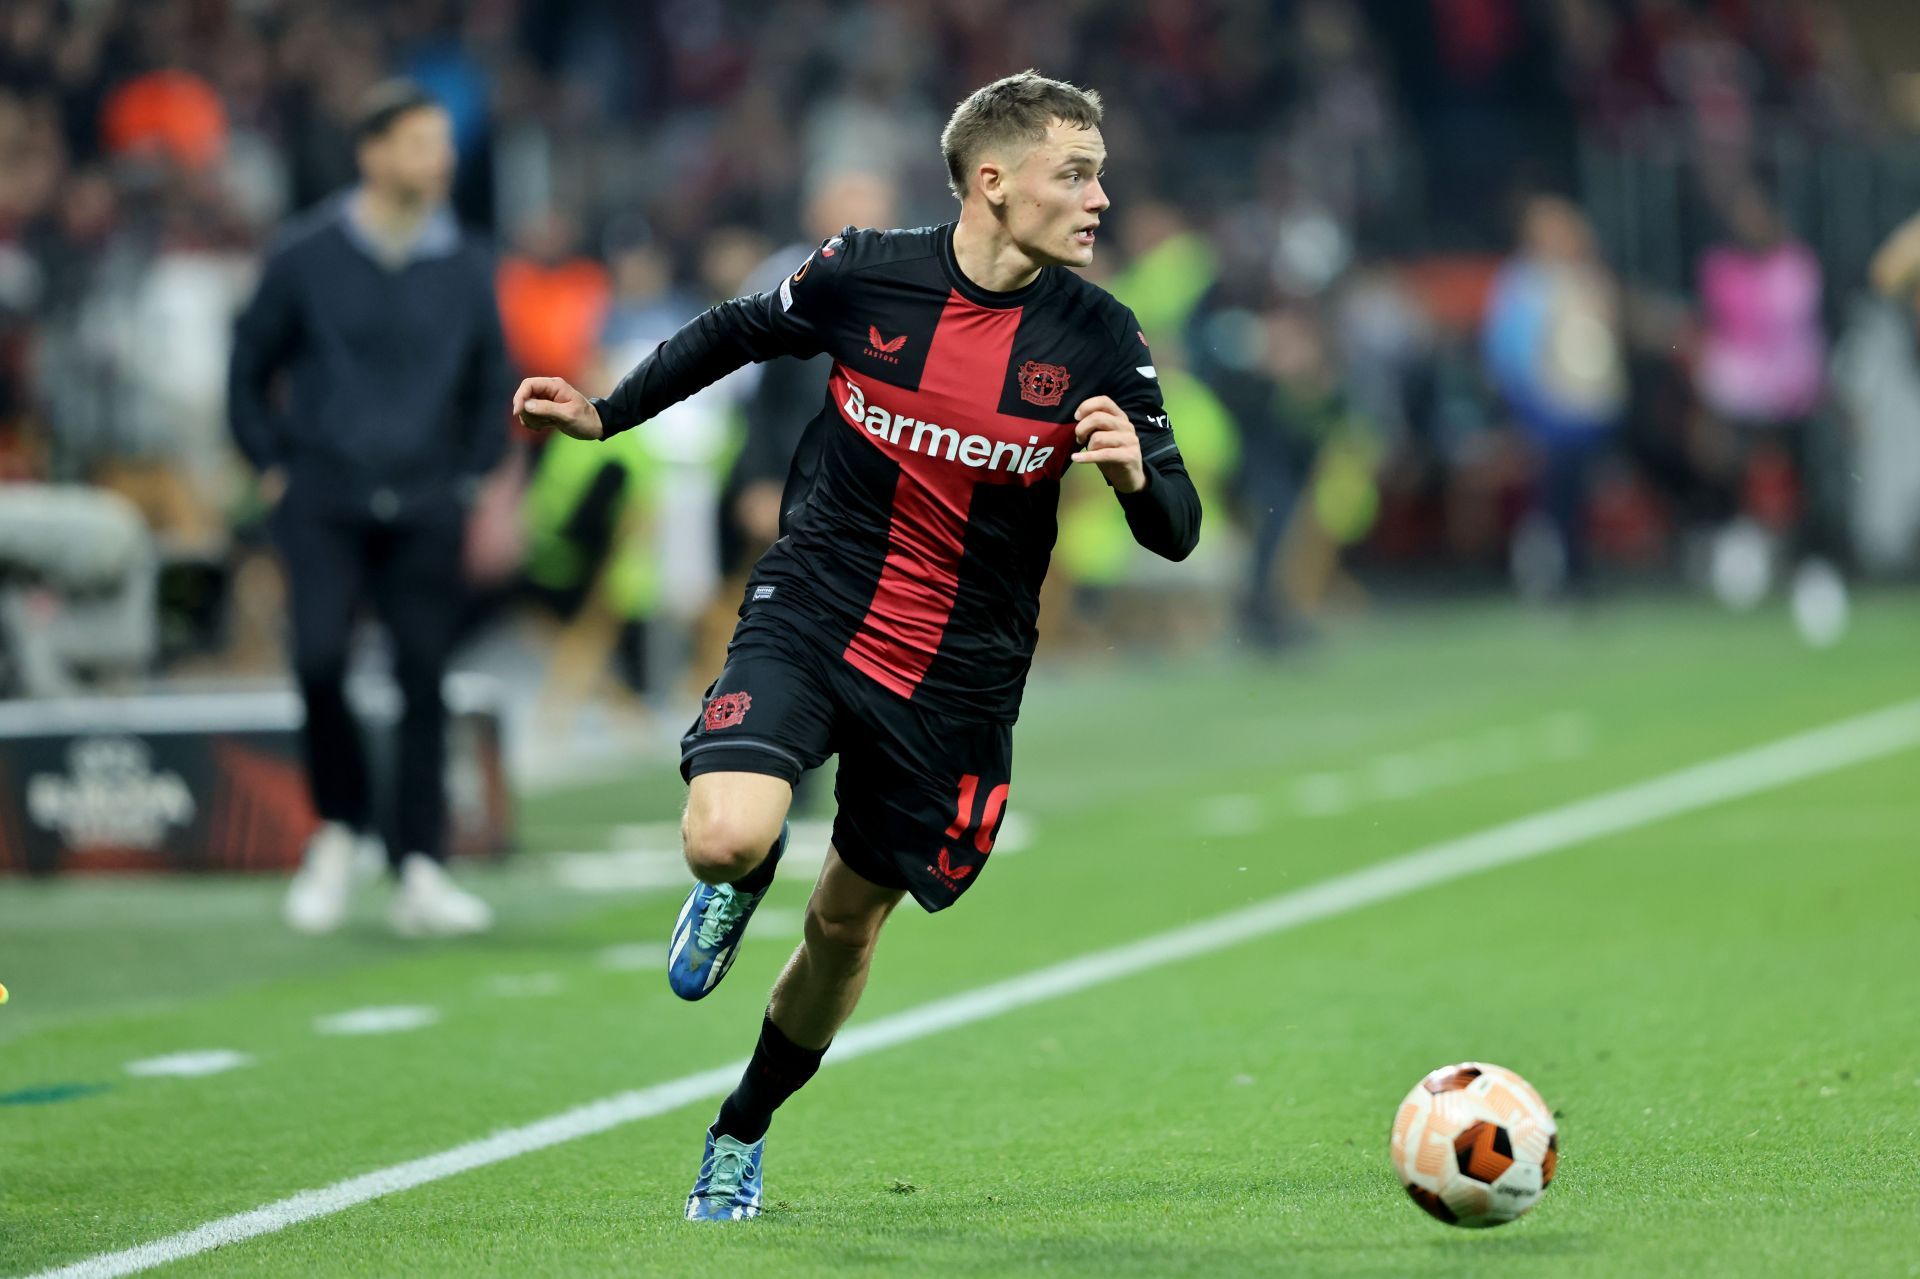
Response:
column 1305, row 479
column 1095, row 546
column 591, row 556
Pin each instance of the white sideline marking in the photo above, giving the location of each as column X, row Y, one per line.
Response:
column 1494, row 752
column 523, row 985
column 377, row 1021
column 1323, row 794
column 1229, row 815
column 1750, row 772
column 626, row 957
column 190, row 1065
column 776, row 923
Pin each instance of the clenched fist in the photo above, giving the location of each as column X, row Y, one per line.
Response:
column 1107, row 439
column 550, row 404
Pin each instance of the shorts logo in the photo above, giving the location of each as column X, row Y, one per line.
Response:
column 947, row 873
column 1042, row 384
column 727, row 710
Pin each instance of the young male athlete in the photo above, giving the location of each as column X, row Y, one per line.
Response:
column 893, row 622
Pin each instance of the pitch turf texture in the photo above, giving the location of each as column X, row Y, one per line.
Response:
column 1724, row 1006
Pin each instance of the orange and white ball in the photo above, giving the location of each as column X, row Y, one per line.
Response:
column 1475, row 1145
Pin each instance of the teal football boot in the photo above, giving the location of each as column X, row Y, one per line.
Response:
column 728, row 1188
column 706, row 936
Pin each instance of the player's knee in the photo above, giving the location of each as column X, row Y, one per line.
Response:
column 720, row 850
column 846, row 932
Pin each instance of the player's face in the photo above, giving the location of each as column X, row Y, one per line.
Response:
column 1054, row 197
column 413, row 160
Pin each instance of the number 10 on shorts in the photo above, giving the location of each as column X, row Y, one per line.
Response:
column 987, row 823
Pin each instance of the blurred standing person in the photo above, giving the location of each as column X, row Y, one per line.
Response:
column 1231, row 336
column 592, row 514
column 1552, row 348
column 779, row 407
column 380, row 315
column 554, row 298
column 1762, row 375
column 1876, row 378
column 762, row 482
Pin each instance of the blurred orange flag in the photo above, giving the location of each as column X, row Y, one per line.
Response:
column 552, row 315
column 173, row 112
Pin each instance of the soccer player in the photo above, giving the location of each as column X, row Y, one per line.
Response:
column 893, row 622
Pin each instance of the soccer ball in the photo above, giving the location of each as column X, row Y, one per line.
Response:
column 1474, row 1144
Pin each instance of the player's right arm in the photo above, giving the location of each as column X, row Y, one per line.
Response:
column 783, row 321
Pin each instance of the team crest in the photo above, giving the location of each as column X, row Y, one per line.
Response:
column 1042, row 384
column 727, row 710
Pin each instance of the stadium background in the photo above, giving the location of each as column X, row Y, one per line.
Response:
column 1338, row 220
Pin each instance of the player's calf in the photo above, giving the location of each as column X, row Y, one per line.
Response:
column 842, row 936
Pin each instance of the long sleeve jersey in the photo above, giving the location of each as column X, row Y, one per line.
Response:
column 919, row 516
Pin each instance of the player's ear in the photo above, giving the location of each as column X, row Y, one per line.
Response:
column 993, row 183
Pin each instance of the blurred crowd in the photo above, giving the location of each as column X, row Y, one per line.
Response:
column 1398, row 346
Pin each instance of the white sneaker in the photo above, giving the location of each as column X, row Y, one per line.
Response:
column 317, row 897
column 1820, row 607
column 369, row 858
column 430, row 904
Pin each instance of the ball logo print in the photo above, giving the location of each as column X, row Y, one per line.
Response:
column 1474, row 1145
column 726, row 710
column 1043, row 384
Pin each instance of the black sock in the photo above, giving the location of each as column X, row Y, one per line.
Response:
column 778, row 1070
column 760, row 877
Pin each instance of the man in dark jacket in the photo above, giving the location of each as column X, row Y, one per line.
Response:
column 368, row 374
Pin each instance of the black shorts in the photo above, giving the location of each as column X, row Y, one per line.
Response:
column 920, row 795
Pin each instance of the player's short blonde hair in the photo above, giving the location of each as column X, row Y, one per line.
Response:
column 1017, row 109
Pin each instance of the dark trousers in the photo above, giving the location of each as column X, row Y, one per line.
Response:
column 1271, row 473
column 1815, row 521
column 411, row 574
column 1565, row 490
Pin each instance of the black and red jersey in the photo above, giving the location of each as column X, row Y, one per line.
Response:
column 920, row 512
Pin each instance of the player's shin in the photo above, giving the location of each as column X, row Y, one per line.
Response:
column 779, row 1068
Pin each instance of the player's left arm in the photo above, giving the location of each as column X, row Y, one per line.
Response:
column 1128, row 436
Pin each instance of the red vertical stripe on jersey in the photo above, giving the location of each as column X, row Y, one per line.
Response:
column 965, row 369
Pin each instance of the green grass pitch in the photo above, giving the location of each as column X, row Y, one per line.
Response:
column 1722, row 1005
